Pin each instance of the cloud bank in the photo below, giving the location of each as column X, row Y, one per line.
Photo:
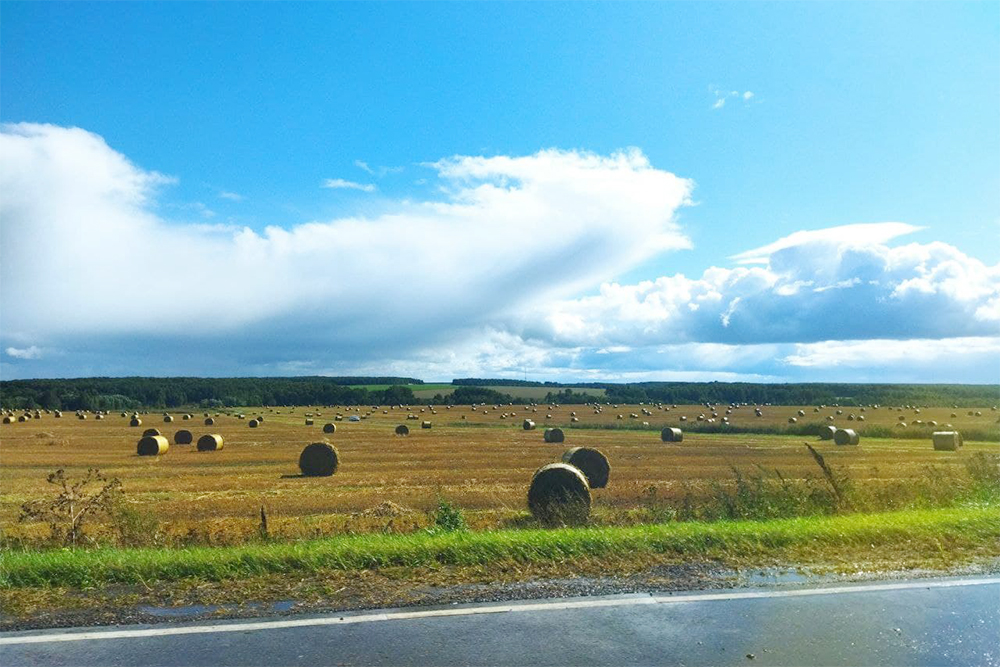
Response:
column 86, row 257
column 485, row 278
column 835, row 284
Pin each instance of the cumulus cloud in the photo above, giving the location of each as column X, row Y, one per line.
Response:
column 341, row 184
column 231, row 196
column 834, row 284
column 32, row 352
column 82, row 238
column 483, row 280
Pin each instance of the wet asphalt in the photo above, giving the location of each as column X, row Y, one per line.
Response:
column 918, row 626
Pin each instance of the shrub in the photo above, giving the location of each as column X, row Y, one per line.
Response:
column 75, row 504
column 447, row 518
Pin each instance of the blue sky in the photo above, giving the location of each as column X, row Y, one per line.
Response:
column 281, row 188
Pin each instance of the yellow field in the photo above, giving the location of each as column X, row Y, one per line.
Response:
column 481, row 463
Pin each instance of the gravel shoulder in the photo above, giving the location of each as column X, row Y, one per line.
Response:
column 333, row 591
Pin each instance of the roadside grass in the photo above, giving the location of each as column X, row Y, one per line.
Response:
column 923, row 531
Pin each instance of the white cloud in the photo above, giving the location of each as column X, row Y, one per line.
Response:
column 857, row 235
column 380, row 172
column 80, row 236
column 815, row 286
column 721, row 96
column 341, row 184
column 32, row 352
column 232, row 196
column 483, row 281
column 879, row 353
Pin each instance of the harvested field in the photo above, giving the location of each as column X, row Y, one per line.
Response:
column 482, row 465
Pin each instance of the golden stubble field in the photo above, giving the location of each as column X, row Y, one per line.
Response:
column 481, row 463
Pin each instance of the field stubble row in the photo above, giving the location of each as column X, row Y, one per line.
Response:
column 481, row 464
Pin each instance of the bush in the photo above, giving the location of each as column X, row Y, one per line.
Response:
column 447, row 518
column 75, row 504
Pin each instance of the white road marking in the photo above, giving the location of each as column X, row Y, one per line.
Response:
column 482, row 609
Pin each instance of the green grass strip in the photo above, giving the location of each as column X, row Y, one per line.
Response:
column 972, row 526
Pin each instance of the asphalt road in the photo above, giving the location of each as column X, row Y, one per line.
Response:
column 927, row 622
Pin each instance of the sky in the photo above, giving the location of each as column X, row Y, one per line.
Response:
column 775, row 192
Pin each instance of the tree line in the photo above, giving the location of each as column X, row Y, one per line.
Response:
column 164, row 393
column 147, row 392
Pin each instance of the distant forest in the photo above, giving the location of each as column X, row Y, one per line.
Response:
column 159, row 393
column 148, row 392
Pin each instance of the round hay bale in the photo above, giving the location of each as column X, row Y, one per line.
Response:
column 402, row 429
column 554, row 435
column 167, row 419
column 948, row 441
column 260, row 420
column 152, row 445
column 846, row 436
column 425, row 424
column 309, row 422
column 528, row 425
column 826, row 432
column 135, row 422
column 671, row 435
column 592, row 463
column 183, row 437
column 150, row 432
column 801, row 413
column 99, row 416
column 210, row 442
column 559, row 493
column 252, row 423
column 330, row 428
column 22, row 418
column 793, row 420
column 57, row 414
column 209, row 421
column 319, row 459
column 78, row 417
column 186, row 417
column 7, row 420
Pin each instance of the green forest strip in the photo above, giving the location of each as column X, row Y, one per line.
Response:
column 927, row 530
column 213, row 393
